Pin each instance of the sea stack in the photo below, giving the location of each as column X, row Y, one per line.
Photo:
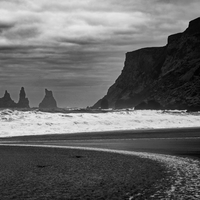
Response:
column 6, row 101
column 48, row 101
column 23, row 101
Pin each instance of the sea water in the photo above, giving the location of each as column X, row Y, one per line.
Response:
column 35, row 122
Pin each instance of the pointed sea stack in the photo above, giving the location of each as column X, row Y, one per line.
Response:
column 48, row 101
column 6, row 101
column 23, row 101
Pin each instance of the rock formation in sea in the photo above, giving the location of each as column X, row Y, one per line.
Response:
column 169, row 75
column 6, row 101
column 23, row 101
column 48, row 101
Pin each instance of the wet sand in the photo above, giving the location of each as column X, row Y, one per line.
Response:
column 179, row 141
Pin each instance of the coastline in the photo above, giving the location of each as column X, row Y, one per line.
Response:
column 184, row 182
column 115, row 134
column 177, row 141
column 58, row 173
column 178, row 150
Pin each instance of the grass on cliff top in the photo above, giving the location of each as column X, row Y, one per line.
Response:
column 50, row 173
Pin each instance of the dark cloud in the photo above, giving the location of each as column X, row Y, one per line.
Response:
column 79, row 41
column 21, row 33
column 4, row 26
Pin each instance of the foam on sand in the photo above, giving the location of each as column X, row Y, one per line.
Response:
column 17, row 123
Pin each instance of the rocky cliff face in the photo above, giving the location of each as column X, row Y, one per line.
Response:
column 48, row 101
column 169, row 76
column 7, row 102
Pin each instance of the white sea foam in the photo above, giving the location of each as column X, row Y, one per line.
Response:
column 16, row 123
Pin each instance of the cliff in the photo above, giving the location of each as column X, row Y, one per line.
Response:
column 48, row 101
column 167, row 77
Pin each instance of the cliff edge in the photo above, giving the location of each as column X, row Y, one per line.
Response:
column 167, row 77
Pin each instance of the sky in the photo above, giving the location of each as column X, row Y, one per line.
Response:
column 76, row 48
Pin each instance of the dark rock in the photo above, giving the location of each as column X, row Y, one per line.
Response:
column 48, row 101
column 127, row 102
column 104, row 104
column 6, row 101
column 149, row 105
column 170, row 75
column 23, row 101
column 193, row 26
column 193, row 108
column 141, row 68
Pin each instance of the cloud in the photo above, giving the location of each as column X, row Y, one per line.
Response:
column 89, row 21
column 81, row 43
column 5, row 26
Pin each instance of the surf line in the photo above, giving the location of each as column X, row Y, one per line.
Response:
column 110, row 139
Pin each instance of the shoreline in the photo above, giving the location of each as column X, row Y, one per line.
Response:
column 120, row 134
column 169, row 147
column 179, row 141
column 186, row 171
column 59, row 173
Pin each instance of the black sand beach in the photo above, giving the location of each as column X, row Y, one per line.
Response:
column 51, row 173
column 173, row 141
